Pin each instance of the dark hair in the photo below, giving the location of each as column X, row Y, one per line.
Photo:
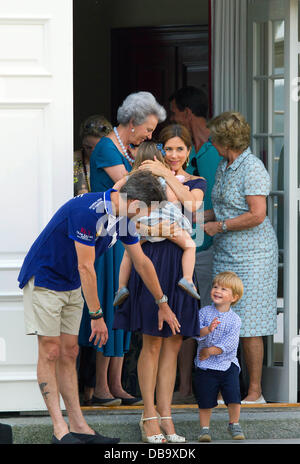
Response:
column 145, row 187
column 193, row 98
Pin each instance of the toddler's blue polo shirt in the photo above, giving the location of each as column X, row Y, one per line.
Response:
column 87, row 219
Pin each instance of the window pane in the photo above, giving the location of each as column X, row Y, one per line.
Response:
column 262, row 106
column 278, row 106
column 261, row 149
column 276, row 215
column 261, row 49
column 278, row 341
column 296, row 95
column 278, row 163
column 278, row 47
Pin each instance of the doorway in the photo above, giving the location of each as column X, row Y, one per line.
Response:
column 94, row 57
column 159, row 60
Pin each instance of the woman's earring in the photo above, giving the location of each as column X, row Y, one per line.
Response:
column 132, row 130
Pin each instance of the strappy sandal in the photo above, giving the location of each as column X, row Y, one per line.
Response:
column 159, row 438
column 173, row 437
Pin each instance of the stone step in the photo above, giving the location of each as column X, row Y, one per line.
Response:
column 258, row 423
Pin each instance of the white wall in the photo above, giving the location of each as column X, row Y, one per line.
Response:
column 36, row 147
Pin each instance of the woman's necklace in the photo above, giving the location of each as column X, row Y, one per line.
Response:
column 131, row 160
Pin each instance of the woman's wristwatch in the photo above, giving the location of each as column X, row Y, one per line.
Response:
column 163, row 299
column 223, row 226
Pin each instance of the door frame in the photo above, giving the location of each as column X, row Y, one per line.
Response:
column 280, row 383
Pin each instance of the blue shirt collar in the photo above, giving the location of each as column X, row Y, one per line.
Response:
column 236, row 164
column 107, row 202
column 226, row 312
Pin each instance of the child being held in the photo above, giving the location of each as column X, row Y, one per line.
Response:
column 168, row 212
column 217, row 366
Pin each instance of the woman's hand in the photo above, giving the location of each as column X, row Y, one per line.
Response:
column 211, row 228
column 120, row 183
column 165, row 314
column 156, row 167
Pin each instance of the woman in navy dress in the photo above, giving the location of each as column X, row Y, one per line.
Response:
column 110, row 161
column 158, row 358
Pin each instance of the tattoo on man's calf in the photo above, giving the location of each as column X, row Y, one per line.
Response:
column 42, row 388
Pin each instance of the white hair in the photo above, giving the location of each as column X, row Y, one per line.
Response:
column 137, row 107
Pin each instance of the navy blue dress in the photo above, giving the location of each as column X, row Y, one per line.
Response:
column 139, row 312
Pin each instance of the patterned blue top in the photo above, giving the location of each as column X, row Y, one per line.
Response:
column 225, row 336
column 251, row 253
column 245, row 176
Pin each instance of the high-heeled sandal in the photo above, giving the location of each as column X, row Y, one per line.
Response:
column 173, row 437
column 159, row 438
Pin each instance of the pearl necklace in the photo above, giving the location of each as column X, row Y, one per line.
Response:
column 131, row 160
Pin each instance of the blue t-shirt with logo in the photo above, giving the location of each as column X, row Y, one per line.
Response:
column 88, row 219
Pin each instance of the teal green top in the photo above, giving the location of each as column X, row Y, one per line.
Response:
column 204, row 164
column 105, row 154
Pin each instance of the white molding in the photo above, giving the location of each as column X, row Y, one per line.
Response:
column 25, row 104
column 11, row 296
column 10, row 264
column 18, row 376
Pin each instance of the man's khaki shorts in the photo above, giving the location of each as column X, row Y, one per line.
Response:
column 49, row 312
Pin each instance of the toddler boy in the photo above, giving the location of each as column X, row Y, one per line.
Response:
column 217, row 366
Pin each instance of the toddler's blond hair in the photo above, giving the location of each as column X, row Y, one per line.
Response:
column 229, row 279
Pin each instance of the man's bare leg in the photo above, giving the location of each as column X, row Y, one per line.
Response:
column 49, row 351
column 68, row 383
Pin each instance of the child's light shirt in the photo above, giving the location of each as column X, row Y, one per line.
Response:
column 225, row 336
column 168, row 212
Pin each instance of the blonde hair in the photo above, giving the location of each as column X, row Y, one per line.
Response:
column 231, row 130
column 147, row 151
column 229, row 279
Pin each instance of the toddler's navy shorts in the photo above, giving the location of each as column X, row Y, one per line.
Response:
column 208, row 383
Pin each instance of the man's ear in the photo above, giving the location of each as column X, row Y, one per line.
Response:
column 133, row 207
column 188, row 113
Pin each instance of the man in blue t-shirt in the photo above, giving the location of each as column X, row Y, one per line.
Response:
column 58, row 265
column 189, row 107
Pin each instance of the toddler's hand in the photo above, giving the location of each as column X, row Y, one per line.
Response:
column 204, row 354
column 214, row 324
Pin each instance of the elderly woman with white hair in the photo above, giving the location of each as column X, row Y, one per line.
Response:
column 111, row 160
